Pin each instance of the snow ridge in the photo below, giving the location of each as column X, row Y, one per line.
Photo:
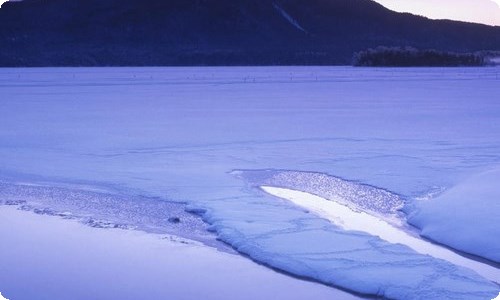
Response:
column 473, row 201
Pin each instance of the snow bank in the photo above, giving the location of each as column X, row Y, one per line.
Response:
column 466, row 217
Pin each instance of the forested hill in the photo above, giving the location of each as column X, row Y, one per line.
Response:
column 218, row 32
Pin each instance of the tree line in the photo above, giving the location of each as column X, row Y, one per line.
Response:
column 412, row 57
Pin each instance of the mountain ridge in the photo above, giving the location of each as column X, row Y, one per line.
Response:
column 219, row 32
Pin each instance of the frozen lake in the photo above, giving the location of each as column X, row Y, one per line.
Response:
column 406, row 145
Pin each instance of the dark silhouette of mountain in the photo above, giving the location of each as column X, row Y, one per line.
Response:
column 218, row 32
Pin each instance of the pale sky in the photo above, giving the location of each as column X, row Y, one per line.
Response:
column 478, row 11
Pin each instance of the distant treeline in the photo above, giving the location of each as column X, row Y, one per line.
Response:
column 411, row 57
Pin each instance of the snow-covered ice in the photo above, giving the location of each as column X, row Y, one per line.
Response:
column 47, row 258
column 394, row 141
column 108, row 209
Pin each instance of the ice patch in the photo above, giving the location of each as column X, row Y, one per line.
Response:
column 54, row 259
column 328, row 253
column 356, row 196
column 348, row 219
column 96, row 208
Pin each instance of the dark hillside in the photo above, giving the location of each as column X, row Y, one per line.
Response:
column 218, row 32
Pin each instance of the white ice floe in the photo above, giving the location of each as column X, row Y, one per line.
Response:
column 349, row 219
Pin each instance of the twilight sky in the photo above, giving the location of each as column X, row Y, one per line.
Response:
column 478, row 11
